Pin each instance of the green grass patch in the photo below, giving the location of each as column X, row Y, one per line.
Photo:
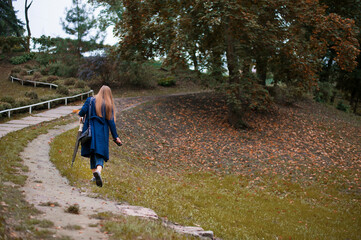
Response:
column 73, row 227
column 120, row 227
column 73, row 209
column 234, row 205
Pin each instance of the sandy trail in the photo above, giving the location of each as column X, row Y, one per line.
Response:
column 45, row 184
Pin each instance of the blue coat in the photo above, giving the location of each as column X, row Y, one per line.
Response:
column 100, row 131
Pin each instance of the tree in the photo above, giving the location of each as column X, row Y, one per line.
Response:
column 27, row 6
column 349, row 82
column 79, row 22
column 10, row 25
column 288, row 37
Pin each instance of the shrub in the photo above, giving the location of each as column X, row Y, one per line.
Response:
column 343, row 107
column 62, row 90
column 167, row 81
column 22, row 102
column 67, row 71
column 248, row 95
column 8, row 99
column 16, row 70
column 53, row 68
column 15, row 75
column 94, row 66
column 135, row 74
column 44, row 58
column 31, row 95
column 100, row 70
column 287, row 95
column 22, row 59
column 324, row 92
column 70, row 81
column 23, row 72
column 5, row 105
column 37, row 75
column 52, row 78
column 44, row 70
column 80, row 84
column 62, row 70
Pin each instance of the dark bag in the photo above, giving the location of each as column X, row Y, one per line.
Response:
column 86, row 136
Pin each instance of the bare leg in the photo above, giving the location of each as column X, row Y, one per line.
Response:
column 99, row 169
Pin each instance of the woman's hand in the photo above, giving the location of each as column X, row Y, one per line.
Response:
column 118, row 142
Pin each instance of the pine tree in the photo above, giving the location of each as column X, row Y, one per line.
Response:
column 10, row 25
column 79, row 22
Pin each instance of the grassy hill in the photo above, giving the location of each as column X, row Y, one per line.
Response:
column 295, row 174
column 16, row 90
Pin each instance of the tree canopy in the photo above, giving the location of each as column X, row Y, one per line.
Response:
column 288, row 39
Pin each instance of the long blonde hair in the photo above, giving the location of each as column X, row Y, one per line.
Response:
column 105, row 96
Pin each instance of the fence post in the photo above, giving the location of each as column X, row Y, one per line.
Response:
column 48, row 105
column 29, row 110
column 66, row 101
column 22, row 82
column 12, row 79
column 9, row 114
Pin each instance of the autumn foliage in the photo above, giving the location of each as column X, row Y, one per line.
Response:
column 285, row 39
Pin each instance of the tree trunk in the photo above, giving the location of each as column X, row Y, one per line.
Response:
column 262, row 69
column 325, row 76
column 194, row 59
column 231, row 57
column 352, row 97
column 78, row 31
column 27, row 24
column 216, row 64
column 246, row 68
column 356, row 104
column 235, row 115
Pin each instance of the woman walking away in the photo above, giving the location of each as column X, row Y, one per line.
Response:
column 101, row 118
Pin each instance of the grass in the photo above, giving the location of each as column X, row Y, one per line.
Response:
column 19, row 218
column 73, row 227
column 16, row 90
column 291, row 201
column 122, row 227
column 74, row 209
column 157, row 91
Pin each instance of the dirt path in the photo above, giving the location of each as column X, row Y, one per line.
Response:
column 45, row 185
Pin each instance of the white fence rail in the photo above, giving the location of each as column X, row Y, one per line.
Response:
column 47, row 102
column 33, row 82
